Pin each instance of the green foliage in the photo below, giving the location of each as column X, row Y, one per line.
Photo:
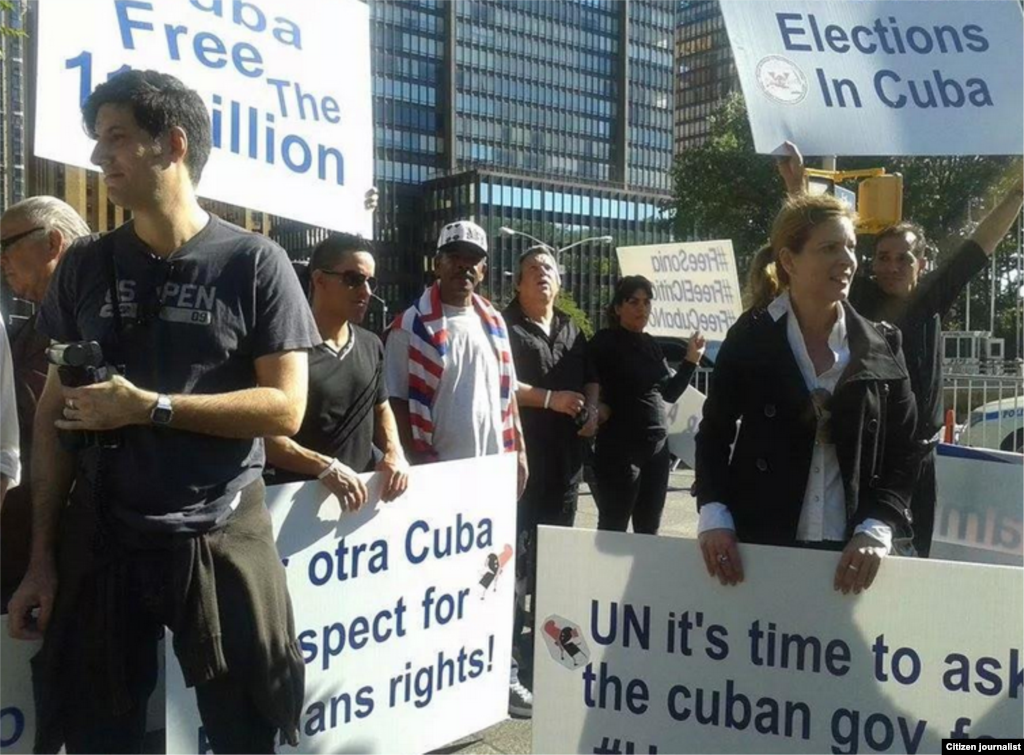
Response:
column 567, row 304
column 723, row 189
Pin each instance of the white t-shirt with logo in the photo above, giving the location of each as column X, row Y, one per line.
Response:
column 467, row 404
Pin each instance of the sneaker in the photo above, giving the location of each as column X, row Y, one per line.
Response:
column 520, row 701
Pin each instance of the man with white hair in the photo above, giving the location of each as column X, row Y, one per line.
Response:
column 34, row 234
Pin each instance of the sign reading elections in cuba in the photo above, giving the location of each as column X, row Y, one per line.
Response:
column 695, row 286
column 287, row 85
column 638, row 650
column 889, row 77
column 403, row 611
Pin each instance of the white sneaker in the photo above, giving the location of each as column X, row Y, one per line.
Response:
column 520, row 701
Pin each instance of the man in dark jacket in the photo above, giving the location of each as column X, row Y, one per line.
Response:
column 900, row 292
column 34, row 234
column 557, row 395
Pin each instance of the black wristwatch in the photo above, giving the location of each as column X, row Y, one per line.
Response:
column 163, row 412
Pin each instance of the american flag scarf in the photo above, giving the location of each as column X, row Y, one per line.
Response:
column 428, row 343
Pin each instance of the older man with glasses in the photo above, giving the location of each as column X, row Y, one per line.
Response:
column 34, row 234
column 348, row 423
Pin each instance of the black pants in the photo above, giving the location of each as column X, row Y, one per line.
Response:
column 922, row 506
column 553, row 505
column 631, row 482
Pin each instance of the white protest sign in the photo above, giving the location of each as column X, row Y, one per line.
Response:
column 17, row 708
column 683, row 420
column 887, row 77
column 403, row 611
column 287, row 85
column 639, row 651
column 695, row 286
column 978, row 515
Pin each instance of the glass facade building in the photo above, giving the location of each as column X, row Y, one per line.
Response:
column 559, row 213
column 12, row 109
column 705, row 67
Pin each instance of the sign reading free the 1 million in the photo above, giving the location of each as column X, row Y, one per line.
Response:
column 695, row 287
column 290, row 135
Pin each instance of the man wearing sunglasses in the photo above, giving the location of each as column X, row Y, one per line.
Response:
column 34, row 234
column 347, row 412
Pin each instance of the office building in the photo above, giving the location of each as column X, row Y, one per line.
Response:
column 706, row 72
column 549, row 98
column 12, row 108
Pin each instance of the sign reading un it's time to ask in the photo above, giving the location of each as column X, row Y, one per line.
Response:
column 287, row 85
column 881, row 77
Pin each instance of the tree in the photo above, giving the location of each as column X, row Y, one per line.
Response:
column 567, row 304
column 723, row 189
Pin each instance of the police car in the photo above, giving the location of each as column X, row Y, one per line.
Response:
column 998, row 425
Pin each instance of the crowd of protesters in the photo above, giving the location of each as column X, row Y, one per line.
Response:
column 818, row 430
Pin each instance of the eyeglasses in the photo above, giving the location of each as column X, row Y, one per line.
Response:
column 10, row 241
column 352, row 279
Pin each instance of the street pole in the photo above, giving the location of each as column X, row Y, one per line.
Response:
column 992, row 306
column 1019, row 300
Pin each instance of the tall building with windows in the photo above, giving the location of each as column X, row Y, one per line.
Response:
column 571, row 98
column 706, row 72
column 12, row 108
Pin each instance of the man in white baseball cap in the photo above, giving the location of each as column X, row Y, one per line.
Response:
column 465, row 404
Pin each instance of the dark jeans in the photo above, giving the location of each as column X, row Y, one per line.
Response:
column 555, row 507
column 922, row 506
column 631, row 482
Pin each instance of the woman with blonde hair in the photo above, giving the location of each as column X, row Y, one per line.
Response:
column 823, row 454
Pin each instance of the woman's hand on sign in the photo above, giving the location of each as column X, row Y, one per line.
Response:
column 859, row 564
column 721, row 556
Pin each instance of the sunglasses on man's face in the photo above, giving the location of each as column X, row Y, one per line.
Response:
column 10, row 241
column 352, row 279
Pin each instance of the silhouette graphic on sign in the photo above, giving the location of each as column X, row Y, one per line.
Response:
column 493, row 568
column 565, row 642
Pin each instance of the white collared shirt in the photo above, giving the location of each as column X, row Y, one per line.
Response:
column 823, row 514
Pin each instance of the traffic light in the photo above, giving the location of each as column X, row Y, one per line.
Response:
column 878, row 199
column 880, row 202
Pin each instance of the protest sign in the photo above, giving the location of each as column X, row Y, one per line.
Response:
column 403, row 611
column 290, row 135
column 881, row 77
column 17, row 710
column 695, row 287
column 639, row 650
column 978, row 515
column 683, row 420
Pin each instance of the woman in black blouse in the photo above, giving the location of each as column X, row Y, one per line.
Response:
column 632, row 462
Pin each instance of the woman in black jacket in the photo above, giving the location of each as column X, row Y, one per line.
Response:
column 631, row 460
column 824, row 453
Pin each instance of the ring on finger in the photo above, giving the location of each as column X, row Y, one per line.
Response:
column 722, row 558
column 851, row 566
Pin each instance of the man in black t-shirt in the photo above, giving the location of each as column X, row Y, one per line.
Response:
column 348, row 404
column 155, row 516
column 900, row 292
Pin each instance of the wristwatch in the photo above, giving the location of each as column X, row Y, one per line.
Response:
column 163, row 412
